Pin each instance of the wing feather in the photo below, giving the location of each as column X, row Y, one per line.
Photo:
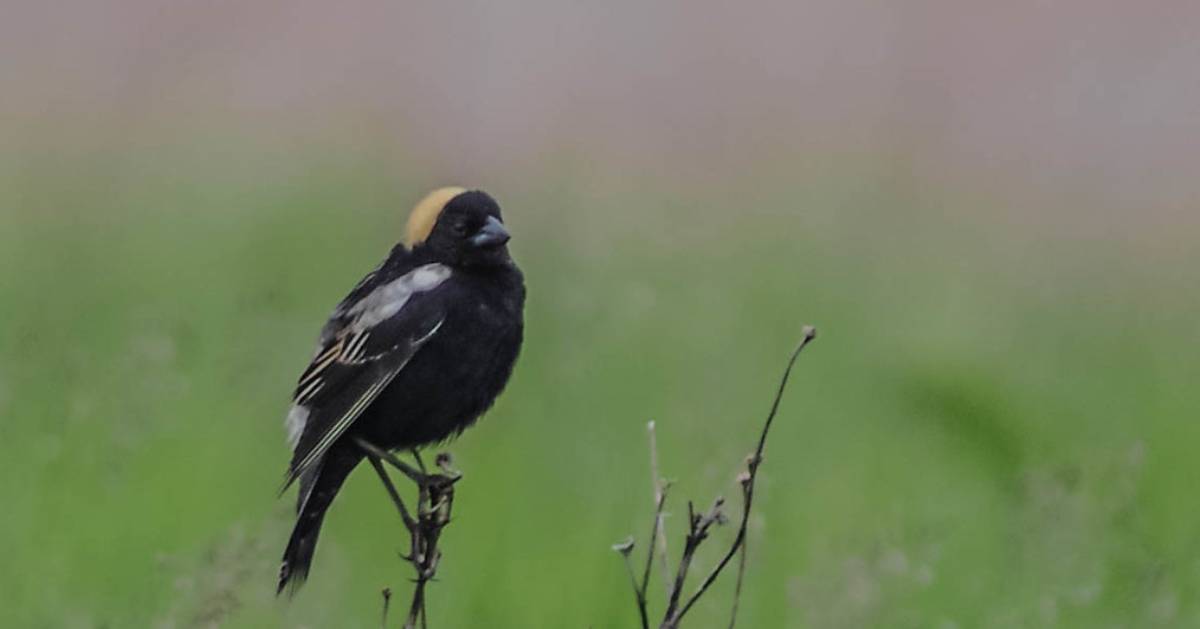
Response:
column 371, row 337
column 359, row 385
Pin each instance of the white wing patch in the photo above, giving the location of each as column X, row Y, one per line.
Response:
column 297, row 418
column 357, row 409
column 379, row 305
column 385, row 301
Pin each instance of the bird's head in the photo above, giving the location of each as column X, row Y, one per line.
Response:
column 459, row 227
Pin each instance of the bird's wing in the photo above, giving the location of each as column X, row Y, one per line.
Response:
column 342, row 315
column 368, row 341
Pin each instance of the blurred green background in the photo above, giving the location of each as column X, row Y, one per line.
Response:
column 991, row 220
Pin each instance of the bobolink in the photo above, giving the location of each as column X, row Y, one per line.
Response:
column 417, row 351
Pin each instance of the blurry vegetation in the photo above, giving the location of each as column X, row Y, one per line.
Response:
column 997, row 428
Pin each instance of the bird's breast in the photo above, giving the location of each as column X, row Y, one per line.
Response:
column 457, row 375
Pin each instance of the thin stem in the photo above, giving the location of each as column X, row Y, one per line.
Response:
column 698, row 526
column 638, row 592
column 660, row 490
column 741, row 572
column 387, row 599
column 435, row 499
column 417, row 607
column 640, row 589
column 751, row 475
column 655, row 534
column 810, row 333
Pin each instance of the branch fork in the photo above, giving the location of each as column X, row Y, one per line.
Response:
column 700, row 525
column 435, row 502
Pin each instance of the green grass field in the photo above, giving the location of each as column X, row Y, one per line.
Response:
column 995, row 427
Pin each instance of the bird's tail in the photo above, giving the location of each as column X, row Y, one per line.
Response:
column 317, row 489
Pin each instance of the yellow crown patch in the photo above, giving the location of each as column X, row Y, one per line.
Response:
column 424, row 216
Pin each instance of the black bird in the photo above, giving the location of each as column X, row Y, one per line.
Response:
column 417, row 351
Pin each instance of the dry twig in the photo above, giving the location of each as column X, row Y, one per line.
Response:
column 699, row 525
column 435, row 499
column 660, row 485
column 387, row 601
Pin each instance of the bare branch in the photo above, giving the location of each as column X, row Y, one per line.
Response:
column 744, row 481
column 656, row 533
column 387, row 599
column 748, row 481
column 699, row 524
column 435, row 500
column 626, row 548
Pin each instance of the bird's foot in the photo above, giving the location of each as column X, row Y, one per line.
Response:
column 420, row 475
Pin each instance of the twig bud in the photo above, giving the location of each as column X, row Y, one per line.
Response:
column 744, row 477
column 624, row 546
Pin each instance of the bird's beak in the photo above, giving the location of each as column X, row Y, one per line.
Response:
column 492, row 234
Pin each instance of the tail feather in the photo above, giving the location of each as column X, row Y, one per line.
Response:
column 316, row 494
